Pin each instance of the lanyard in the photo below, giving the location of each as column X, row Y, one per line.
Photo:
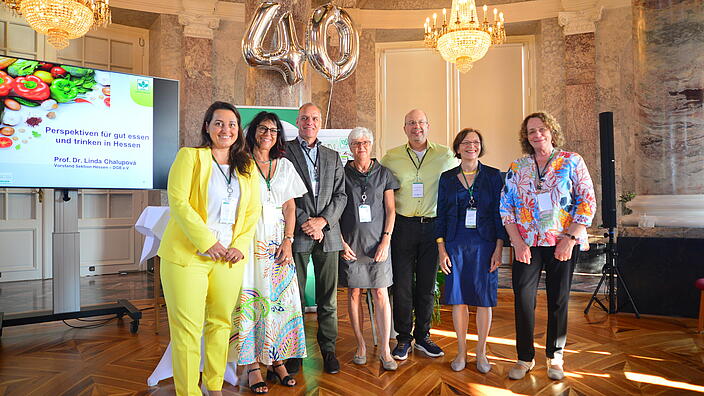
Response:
column 267, row 179
column 315, row 163
column 365, row 185
column 228, row 180
column 541, row 174
column 420, row 163
column 471, row 203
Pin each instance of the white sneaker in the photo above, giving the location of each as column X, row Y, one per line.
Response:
column 555, row 371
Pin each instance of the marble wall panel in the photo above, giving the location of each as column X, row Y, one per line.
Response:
column 615, row 89
column 669, row 82
column 166, row 47
column 580, row 119
column 366, row 81
column 579, row 58
column 197, row 87
column 229, row 68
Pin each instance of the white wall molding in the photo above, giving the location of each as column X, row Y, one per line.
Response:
column 388, row 19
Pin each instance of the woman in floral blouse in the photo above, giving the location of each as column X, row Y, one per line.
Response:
column 546, row 205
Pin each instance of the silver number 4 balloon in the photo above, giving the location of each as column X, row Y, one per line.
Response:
column 288, row 56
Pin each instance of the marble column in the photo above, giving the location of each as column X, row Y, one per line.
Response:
column 669, row 84
column 267, row 87
column 197, row 82
column 580, row 125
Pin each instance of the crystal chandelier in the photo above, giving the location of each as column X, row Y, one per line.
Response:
column 463, row 39
column 62, row 20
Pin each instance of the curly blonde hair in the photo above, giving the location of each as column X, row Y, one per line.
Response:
column 558, row 139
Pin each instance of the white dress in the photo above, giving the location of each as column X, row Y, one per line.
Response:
column 268, row 321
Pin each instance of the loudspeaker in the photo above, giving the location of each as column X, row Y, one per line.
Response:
column 608, row 169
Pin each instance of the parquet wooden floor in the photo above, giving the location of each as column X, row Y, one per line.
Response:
column 609, row 355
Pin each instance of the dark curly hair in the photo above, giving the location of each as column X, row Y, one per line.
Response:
column 460, row 137
column 238, row 157
column 277, row 151
column 558, row 139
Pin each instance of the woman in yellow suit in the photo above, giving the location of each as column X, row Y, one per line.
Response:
column 215, row 206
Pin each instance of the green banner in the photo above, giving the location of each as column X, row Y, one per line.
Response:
column 286, row 114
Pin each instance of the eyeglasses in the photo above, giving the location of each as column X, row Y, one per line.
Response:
column 262, row 130
column 413, row 123
column 357, row 143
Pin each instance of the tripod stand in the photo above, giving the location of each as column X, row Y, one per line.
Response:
column 611, row 273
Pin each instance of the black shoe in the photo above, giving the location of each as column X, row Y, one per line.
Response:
column 330, row 363
column 293, row 366
column 258, row 388
column 401, row 350
column 430, row 348
column 272, row 375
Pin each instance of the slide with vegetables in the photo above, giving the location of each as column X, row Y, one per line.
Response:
column 74, row 127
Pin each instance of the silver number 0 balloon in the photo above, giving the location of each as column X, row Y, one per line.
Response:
column 316, row 42
column 288, row 57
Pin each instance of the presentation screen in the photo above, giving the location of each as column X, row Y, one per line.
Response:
column 64, row 126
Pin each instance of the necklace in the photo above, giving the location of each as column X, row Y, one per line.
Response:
column 474, row 172
column 260, row 161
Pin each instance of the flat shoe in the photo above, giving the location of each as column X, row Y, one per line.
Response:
column 359, row 360
column 388, row 365
column 483, row 365
column 458, row 365
column 520, row 369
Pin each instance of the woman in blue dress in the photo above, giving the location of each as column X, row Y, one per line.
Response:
column 470, row 239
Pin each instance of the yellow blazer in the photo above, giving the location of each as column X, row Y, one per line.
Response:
column 186, row 233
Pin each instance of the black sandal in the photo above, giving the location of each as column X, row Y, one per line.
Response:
column 257, row 388
column 286, row 381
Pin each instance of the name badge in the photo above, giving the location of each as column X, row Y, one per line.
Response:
column 417, row 190
column 470, row 219
column 314, row 184
column 365, row 214
column 270, row 213
column 544, row 202
column 228, row 211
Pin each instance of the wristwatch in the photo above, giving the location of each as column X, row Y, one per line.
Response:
column 290, row 238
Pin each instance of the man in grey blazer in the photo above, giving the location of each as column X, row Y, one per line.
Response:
column 317, row 233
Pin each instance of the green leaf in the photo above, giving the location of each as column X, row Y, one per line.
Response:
column 36, row 134
column 17, row 147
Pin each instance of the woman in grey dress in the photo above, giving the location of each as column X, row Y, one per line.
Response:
column 366, row 224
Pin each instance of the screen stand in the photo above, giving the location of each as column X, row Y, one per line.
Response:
column 66, row 268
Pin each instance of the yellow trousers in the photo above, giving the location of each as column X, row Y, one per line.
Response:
column 203, row 291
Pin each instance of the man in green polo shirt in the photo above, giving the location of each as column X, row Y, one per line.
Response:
column 417, row 165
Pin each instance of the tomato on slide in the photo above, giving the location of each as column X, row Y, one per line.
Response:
column 5, row 142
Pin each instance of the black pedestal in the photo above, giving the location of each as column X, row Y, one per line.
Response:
column 660, row 273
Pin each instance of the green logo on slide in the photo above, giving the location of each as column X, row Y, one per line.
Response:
column 142, row 91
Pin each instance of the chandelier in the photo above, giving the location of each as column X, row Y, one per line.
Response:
column 62, row 20
column 464, row 39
